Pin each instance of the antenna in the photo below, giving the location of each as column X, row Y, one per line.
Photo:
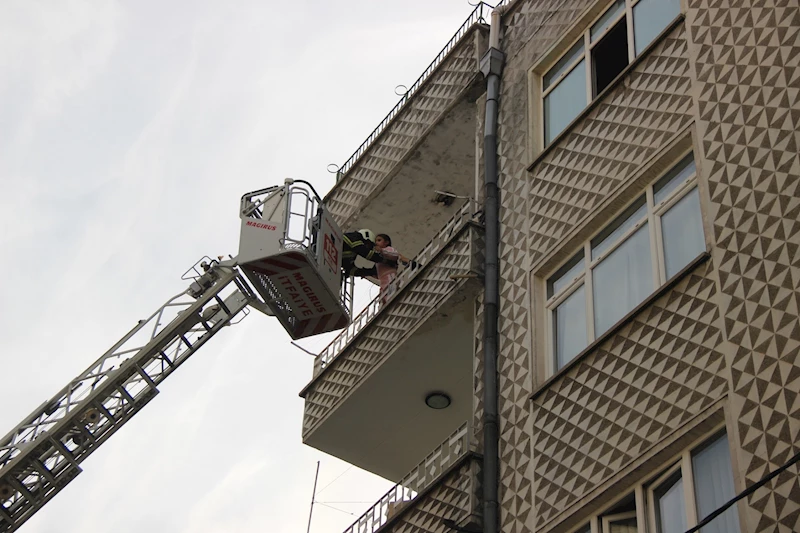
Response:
column 313, row 497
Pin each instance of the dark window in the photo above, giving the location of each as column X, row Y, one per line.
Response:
column 610, row 56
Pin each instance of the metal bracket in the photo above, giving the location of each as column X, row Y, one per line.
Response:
column 492, row 62
column 470, row 528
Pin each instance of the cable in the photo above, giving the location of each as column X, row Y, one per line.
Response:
column 334, row 479
column 345, row 502
column 378, row 445
column 335, row 508
column 747, row 492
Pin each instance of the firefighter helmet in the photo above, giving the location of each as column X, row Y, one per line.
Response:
column 367, row 234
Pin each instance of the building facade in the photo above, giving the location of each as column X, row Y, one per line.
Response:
column 649, row 302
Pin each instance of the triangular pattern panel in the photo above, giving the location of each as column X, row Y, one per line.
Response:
column 424, row 109
column 455, row 498
column 747, row 61
column 641, row 384
column 606, row 148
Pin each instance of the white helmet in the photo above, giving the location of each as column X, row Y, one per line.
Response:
column 367, row 234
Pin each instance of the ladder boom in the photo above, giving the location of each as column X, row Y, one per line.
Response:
column 42, row 454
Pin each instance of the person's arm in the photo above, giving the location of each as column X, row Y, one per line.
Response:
column 395, row 257
column 389, row 255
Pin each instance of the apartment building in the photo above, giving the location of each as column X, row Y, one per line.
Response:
column 648, row 364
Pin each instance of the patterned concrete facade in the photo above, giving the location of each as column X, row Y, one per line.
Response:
column 729, row 330
column 720, row 345
column 413, row 121
column 455, row 497
column 747, row 65
column 638, row 387
column 530, row 28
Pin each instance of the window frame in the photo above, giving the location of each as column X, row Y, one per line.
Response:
column 657, row 255
column 645, row 491
column 606, row 520
column 685, row 469
column 654, row 492
column 588, row 47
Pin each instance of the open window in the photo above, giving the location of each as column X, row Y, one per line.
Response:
column 610, row 57
column 590, row 64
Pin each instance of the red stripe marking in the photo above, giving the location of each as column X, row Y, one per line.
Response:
column 321, row 325
column 260, row 269
column 282, row 265
column 300, row 331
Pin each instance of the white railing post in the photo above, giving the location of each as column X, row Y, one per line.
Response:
column 421, row 476
column 474, row 18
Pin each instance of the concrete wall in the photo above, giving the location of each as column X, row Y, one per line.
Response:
column 726, row 80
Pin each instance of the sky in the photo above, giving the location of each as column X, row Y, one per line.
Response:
column 128, row 133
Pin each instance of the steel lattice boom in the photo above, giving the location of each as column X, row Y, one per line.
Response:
column 43, row 454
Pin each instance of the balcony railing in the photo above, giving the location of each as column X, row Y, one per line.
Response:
column 478, row 15
column 435, row 464
column 467, row 213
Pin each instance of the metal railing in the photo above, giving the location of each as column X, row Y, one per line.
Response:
column 435, row 464
column 467, row 212
column 478, row 15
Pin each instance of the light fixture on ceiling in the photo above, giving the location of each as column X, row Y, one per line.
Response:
column 437, row 400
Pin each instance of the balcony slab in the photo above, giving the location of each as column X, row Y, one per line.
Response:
column 367, row 405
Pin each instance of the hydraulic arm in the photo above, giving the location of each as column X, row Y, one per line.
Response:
column 42, row 455
column 289, row 268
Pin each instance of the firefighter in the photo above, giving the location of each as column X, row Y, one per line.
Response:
column 363, row 243
column 360, row 243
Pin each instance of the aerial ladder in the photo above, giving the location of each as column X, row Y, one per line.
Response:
column 288, row 267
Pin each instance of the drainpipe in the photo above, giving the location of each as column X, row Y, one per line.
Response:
column 491, row 67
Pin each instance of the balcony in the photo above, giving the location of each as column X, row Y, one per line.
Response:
column 444, row 486
column 427, row 143
column 366, row 402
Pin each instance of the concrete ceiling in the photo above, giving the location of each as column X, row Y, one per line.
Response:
column 445, row 160
column 385, row 426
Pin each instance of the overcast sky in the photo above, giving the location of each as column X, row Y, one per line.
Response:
column 128, row 133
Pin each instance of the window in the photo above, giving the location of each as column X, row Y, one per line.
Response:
column 621, row 518
column 621, row 523
column 669, row 507
column 699, row 483
column 710, row 468
column 617, row 269
column 599, row 56
column 713, row 486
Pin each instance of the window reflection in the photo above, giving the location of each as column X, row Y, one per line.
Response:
column 563, row 64
column 569, row 321
column 713, row 486
column 682, row 232
column 565, row 275
column 650, row 17
column 622, row 280
column 674, row 178
column 671, row 508
column 625, row 222
column 564, row 103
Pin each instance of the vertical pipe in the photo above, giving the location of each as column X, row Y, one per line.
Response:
column 491, row 66
column 491, row 432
